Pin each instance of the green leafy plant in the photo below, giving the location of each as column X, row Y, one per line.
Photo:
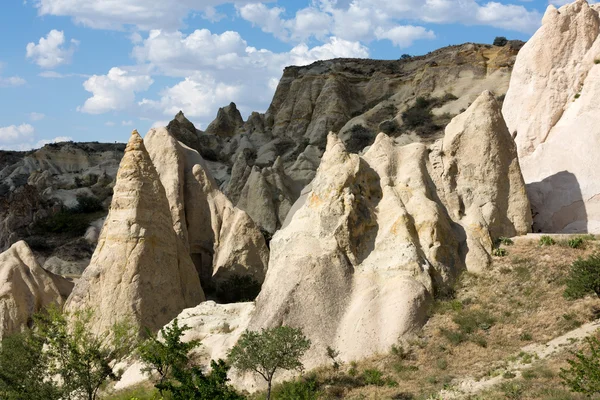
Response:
column 597, row 61
column 500, row 41
column 505, row 241
column 584, row 277
column 299, row 389
column 269, row 351
column 169, row 357
column 546, row 240
column 576, row 243
column 373, row 377
column 333, row 355
column 583, row 373
column 23, row 367
column 500, row 252
column 84, row 361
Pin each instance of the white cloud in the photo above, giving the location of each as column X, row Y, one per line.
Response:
column 404, row 36
column 114, row 91
column 59, row 139
column 218, row 69
column 14, row 133
column 115, row 14
column 126, row 123
column 34, row 116
column 50, row 51
column 12, row 81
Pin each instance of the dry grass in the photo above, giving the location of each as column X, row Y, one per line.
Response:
column 480, row 330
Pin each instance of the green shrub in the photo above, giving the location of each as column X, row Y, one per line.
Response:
column 373, row 377
column 500, row 41
column 454, row 337
column 473, row 320
column 360, row 137
column 87, row 204
column 583, row 373
column 238, row 288
column 505, row 241
column 169, row 358
column 499, row 252
column 578, row 95
column 525, row 337
column 300, row 389
column 597, row 61
column 405, row 57
column 546, row 240
column 584, row 277
column 576, row 243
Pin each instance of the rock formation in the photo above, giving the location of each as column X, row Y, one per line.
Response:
column 379, row 234
column 227, row 123
column 141, row 270
column 26, row 288
column 223, row 240
column 552, row 110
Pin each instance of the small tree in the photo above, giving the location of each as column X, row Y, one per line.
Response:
column 269, row 351
column 583, row 374
column 500, row 41
column 23, row 367
column 333, row 354
column 169, row 356
column 83, row 360
column 584, row 277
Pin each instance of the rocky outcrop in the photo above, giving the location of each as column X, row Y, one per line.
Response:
column 378, row 235
column 223, row 240
column 268, row 196
column 227, row 123
column 26, row 288
column 184, row 131
column 484, row 194
column 552, row 110
column 141, row 270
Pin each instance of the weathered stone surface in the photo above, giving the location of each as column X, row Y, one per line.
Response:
column 223, row 240
column 552, row 108
column 26, row 288
column 227, row 123
column 483, row 186
column 379, row 234
column 140, row 270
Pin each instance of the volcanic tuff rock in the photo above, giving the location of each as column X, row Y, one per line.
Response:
column 140, row 270
column 26, row 288
column 552, row 109
column 379, row 234
column 223, row 240
column 358, row 98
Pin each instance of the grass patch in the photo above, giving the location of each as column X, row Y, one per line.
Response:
column 546, row 240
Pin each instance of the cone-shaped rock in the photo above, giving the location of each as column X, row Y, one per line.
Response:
column 140, row 270
column 25, row 288
column 378, row 235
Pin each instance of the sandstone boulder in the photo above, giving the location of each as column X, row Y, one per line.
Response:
column 26, row 288
column 552, row 110
column 141, row 270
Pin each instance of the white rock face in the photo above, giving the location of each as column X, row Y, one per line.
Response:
column 141, row 270
column 222, row 239
column 552, row 107
column 26, row 288
column 378, row 235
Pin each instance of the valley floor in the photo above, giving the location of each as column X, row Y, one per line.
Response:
column 502, row 335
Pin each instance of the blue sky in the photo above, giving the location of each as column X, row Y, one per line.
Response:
column 93, row 70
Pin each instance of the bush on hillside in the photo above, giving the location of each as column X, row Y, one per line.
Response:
column 584, row 277
column 583, row 373
column 500, row 41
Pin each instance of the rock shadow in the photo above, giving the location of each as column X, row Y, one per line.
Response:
column 557, row 205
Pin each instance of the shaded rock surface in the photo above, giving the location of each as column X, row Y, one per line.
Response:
column 552, row 109
column 26, row 288
column 141, row 270
column 223, row 240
